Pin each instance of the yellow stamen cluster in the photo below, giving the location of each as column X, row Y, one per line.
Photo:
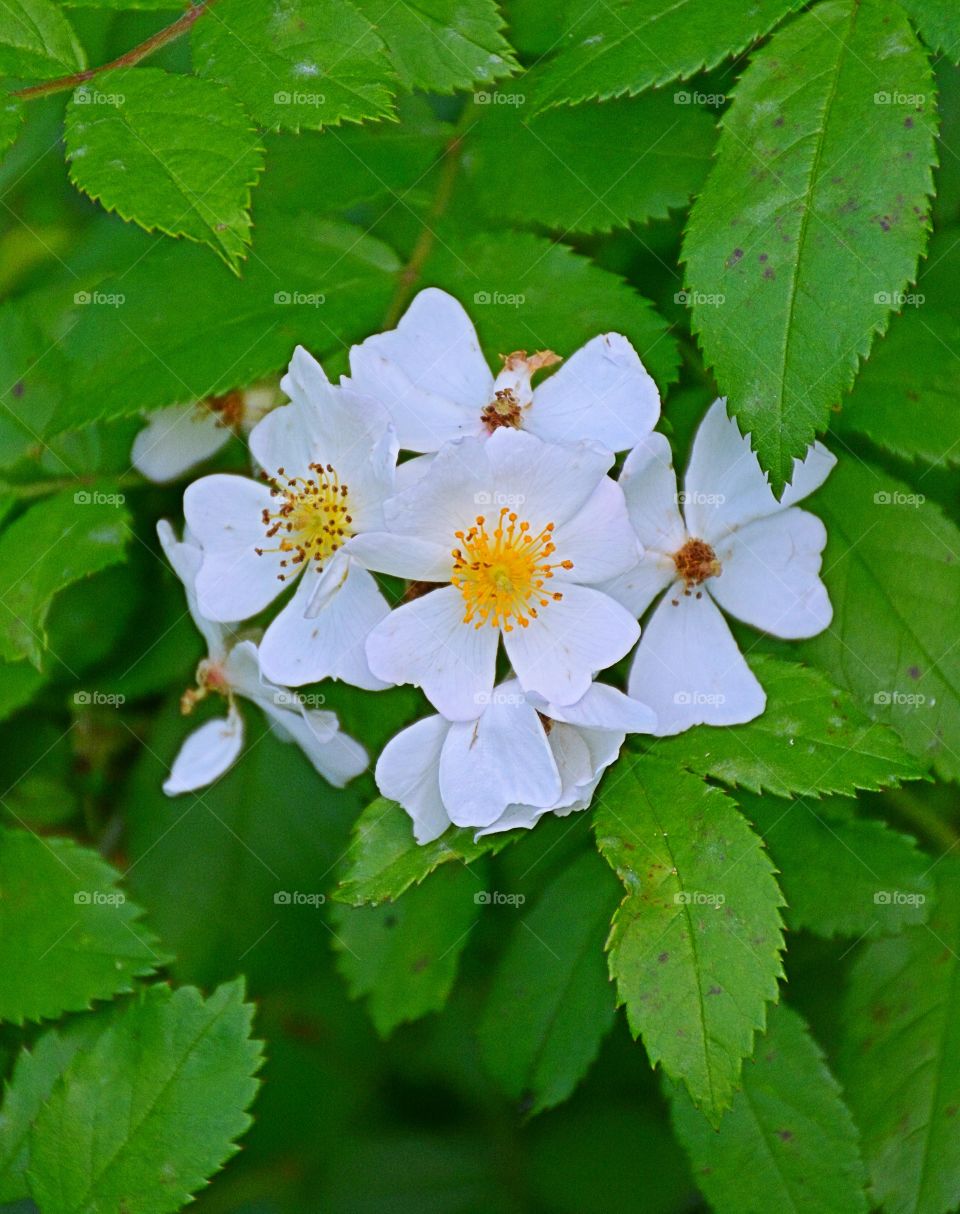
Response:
column 502, row 573
column 312, row 518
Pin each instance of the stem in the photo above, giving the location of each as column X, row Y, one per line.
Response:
column 410, row 274
column 151, row 44
column 125, row 480
column 923, row 819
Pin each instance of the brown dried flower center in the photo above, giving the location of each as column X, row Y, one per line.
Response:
column 696, row 561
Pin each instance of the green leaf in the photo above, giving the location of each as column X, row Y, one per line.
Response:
column 28, row 1090
column 893, row 575
column 442, row 45
column 937, row 22
column 591, row 168
column 635, row 44
column 817, row 205
column 68, row 935
column 123, row 5
column 900, row 1064
column 904, row 398
column 181, row 1069
column 36, row 40
column 842, row 875
column 384, row 859
column 19, row 683
column 11, row 116
column 312, row 281
column 32, row 374
column 550, row 1004
column 296, row 64
column 403, row 956
column 58, row 541
column 812, row 739
column 695, row 946
column 517, row 288
column 172, row 153
column 788, row 1142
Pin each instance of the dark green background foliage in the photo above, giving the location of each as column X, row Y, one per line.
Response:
column 734, row 982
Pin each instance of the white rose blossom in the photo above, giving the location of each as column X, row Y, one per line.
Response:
column 522, row 758
column 431, row 376
column 733, row 545
column 179, row 437
column 232, row 670
column 329, row 461
column 518, row 532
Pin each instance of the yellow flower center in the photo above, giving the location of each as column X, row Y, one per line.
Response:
column 502, row 573
column 311, row 520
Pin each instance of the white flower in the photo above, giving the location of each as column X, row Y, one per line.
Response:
column 328, row 462
column 520, row 531
column 434, row 381
column 734, row 545
column 522, row 758
column 179, row 437
column 232, row 669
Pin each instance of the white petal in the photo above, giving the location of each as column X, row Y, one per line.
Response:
column 411, row 470
column 175, row 440
column 224, row 513
column 808, row 474
column 603, row 746
column 299, row 648
column 427, row 643
column 185, row 559
column 602, row 392
column 543, row 482
column 572, row 757
column 724, row 486
column 598, row 539
column 428, row 373
column 689, row 670
column 771, row 575
column 206, row 754
column 605, row 707
column 559, row 652
column 498, row 760
column 649, row 485
column 514, row 817
column 408, row 771
column 334, row 755
column 638, row 587
column 455, row 488
column 402, row 556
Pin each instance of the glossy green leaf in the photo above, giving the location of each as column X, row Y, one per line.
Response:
column 695, row 945
column 182, row 1069
column 173, row 153
column 11, row 116
column 550, row 1003
column 37, row 40
column 403, row 956
column 28, row 1089
column 442, row 45
column 842, row 875
column 296, row 65
column 68, row 934
column 817, row 205
column 900, row 1065
column 384, row 859
column 904, row 398
column 53, row 543
column 591, row 168
column 811, row 739
column 892, row 567
column 788, row 1142
column 636, row 44
column 938, row 25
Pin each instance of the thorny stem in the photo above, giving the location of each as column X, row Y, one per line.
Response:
column 411, row 272
column 145, row 48
column 925, row 820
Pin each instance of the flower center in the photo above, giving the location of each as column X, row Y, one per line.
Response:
column 512, row 392
column 503, row 410
column 228, row 409
column 312, row 517
column 502, row 573
column 696, row 561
